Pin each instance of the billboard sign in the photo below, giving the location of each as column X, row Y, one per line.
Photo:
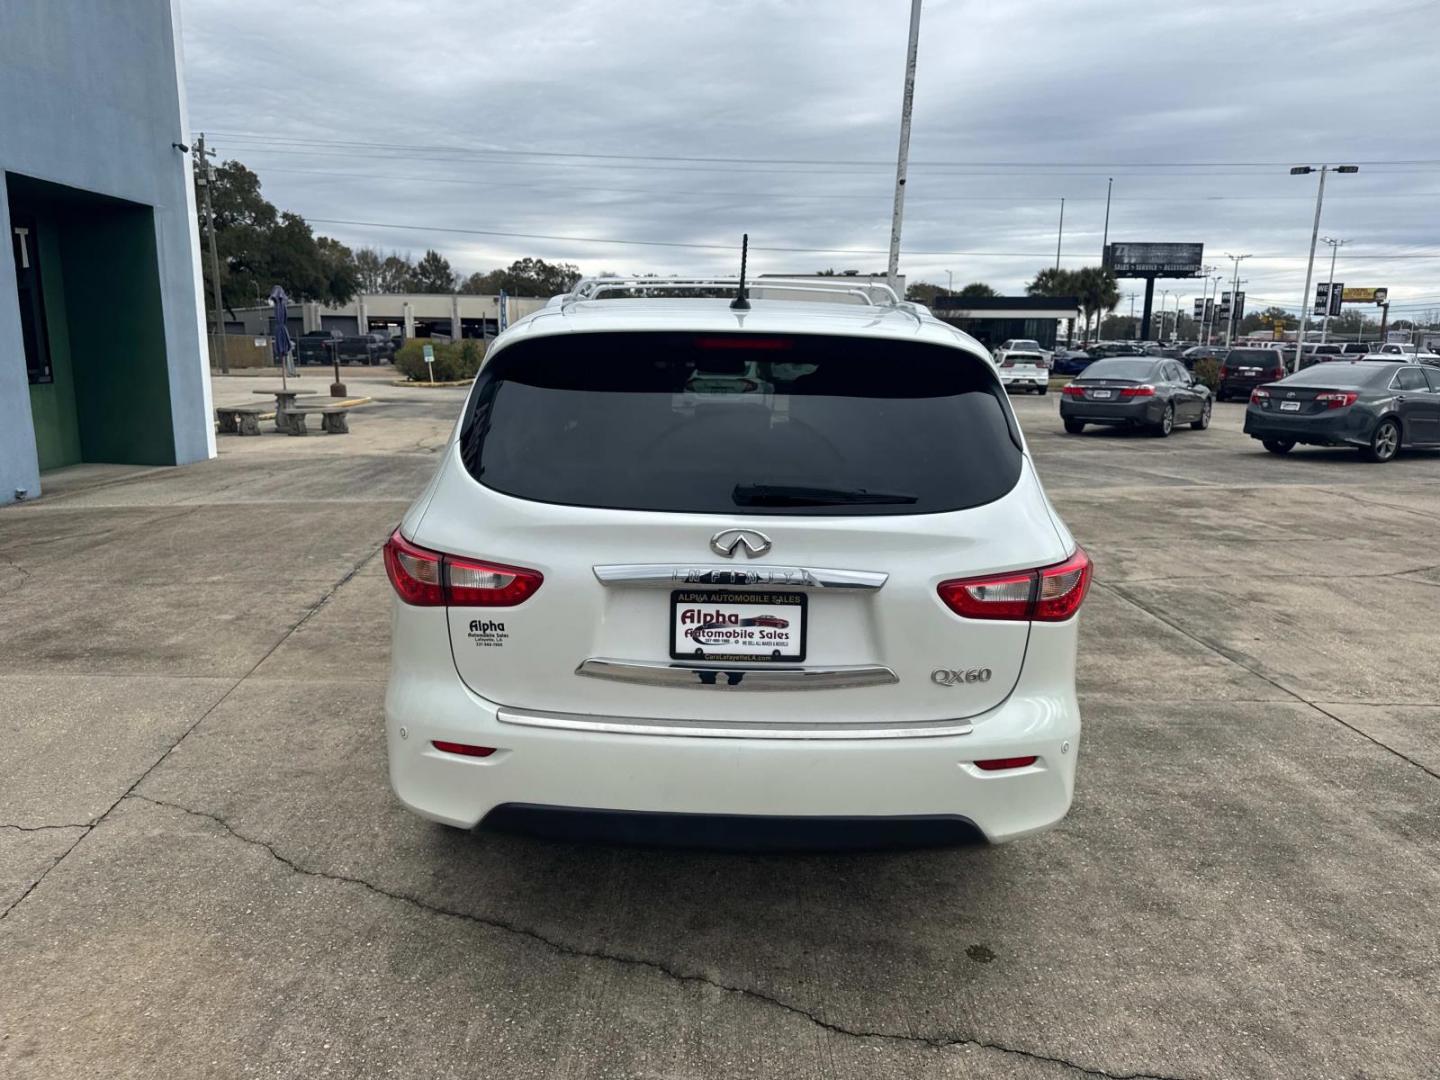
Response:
column 1239, row 307
column 1199, row 308
column 1224, row 305
column 1154, row 260
column 1322, row 298
column 1337, row 292
column 1210, row 310
column 1363, row 295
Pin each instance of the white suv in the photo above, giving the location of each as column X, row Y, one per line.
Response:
column 789, row 565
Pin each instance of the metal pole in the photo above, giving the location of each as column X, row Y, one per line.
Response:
column 902, row 160
column 1329, row 299
column 1060, row 237
column 1309, row 269
column 1105, row 240
column 1234, row 298
column 950, row 283
column 207, row 179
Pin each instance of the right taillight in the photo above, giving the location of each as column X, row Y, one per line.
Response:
column 425, row 578
column 1049, row 594
column 1337, row 399
column 1277, row 374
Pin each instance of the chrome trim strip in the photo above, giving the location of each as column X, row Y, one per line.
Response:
column 695, row 676
column 671, row 575
column 707, row 729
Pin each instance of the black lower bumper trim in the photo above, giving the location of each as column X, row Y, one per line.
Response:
column 735, row 832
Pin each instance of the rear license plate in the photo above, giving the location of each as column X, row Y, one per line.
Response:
column 1289, row 406
column 754, row 627
column 1100, row 393
column 1249, row 371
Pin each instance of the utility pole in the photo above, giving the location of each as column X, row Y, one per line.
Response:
column 1135, row 330
column 902, row 160
column 1164, row 298
column 1105, row 240
column 1234, row 297
column 1060, row 237
column 1335, row 246
column 1302, row 170
column 949, row 282
column 206, row 175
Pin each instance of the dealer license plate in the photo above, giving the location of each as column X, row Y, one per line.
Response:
column 1289, row 406
column 1101, row 393
column 753, row 627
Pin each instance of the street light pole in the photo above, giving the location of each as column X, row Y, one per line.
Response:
column 902, row 160
column 950, row 282
column 1060, row 236
column 1303, row 170
column 1105, row 242
column 1329, row 293
column 1234, row 297
column 1164, row 299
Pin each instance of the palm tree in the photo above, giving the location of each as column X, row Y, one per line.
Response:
column 1052, row 281
column 1098, row 292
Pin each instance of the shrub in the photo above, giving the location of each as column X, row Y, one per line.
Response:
column 1208, row 372
column 454, row 361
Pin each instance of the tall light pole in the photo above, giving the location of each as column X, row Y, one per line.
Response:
column 1060, row 236
column 1335, row 246
column 1303, row 170
column 1105, row 242
column 1234, row 296
column 1215, row 302
column 950, row 282
column 1164, row 299
column 902, row 160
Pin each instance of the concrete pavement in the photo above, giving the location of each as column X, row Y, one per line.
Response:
column 202, row 872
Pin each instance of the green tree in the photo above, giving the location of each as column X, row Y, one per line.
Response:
column 977, row 288
column 1052, row 281
column 397, row 274
column 924, row 292
column 1266, row 320
column 525, row 277
column 1098, row 292
column 433, row 274
column 260, row 246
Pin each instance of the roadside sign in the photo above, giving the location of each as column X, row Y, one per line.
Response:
column 1322, row 298
column 1199, row 308
column 1337, row 293
column 1279, row 329
column 1239, row 307
column 1158, row 260
column 1364, row 295
column 429, row 351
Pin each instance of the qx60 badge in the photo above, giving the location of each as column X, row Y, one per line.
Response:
column 728, row 541
column 951, row 677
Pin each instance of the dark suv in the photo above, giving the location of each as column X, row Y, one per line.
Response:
column 1244, row 369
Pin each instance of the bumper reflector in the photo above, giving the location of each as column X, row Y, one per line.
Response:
column 466, row 749
column 996, row 764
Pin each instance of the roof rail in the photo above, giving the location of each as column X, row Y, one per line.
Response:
column 868, row 294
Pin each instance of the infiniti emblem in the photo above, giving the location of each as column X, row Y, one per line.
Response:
column 726, row 542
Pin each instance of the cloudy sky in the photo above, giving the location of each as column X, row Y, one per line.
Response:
column 676, row 126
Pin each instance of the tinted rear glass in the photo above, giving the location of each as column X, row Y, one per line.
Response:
column 1122, row 369
column 690, row 423
column 1253, row 356
column 1341, row 373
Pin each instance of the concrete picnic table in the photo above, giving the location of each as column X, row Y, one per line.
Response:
column 283, row 400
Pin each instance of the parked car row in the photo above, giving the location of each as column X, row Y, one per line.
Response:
column 315, row 347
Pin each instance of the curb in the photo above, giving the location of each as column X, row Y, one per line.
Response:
column 430, row 385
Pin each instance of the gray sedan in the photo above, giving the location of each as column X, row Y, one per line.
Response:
column 1378, row 406
column 1136, row 392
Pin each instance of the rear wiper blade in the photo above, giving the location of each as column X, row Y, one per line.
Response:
column 803, row 495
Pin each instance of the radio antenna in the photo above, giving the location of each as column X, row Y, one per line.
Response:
column 741, row 301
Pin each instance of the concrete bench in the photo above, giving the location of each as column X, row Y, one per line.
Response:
column 240, row 419
column 332, row 419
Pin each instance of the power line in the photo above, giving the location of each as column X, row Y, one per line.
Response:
column 754, row 247
column 422, row 148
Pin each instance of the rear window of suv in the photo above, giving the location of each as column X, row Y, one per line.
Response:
column 741, row 423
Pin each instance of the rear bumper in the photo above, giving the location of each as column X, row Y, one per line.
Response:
column 1024, row 378
column 1341, row 427
column 1134, row 411
column 929, row 777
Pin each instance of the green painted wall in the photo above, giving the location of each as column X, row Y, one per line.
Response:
column 122, row 383
column 52, row 405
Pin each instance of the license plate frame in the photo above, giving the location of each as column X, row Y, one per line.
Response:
column 1289, row 406
column 1102, row 395
column 792, row 604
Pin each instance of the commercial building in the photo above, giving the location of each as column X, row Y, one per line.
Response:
column 398, row 314
column 100, row 318
column 993, row 319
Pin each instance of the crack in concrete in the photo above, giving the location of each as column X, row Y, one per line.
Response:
column 42, row 828
column 936, row 1042
column 88, row 829
column 1220, row 650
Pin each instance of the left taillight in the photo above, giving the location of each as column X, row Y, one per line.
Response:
column 1048, row 594
column 425, row 578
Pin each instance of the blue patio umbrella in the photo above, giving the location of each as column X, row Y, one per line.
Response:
column 282, row 331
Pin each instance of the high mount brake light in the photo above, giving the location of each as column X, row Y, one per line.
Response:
column 1143, row 390
column 1048, row 594
column 424, row 578
column 765, row 344
column 1337, row 399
